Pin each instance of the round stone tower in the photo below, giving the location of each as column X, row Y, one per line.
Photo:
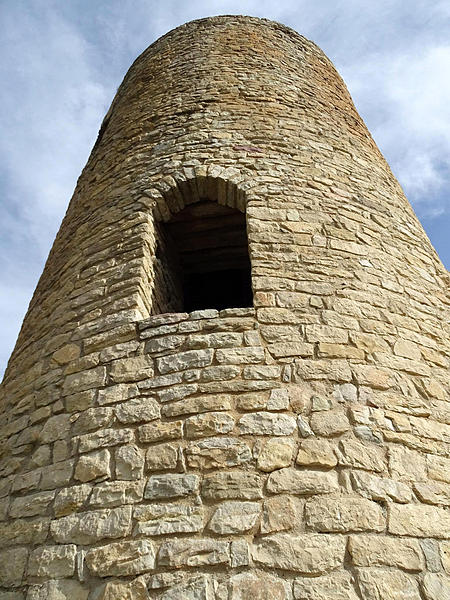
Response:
column 232, row 381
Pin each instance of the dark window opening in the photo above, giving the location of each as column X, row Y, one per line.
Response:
column 203, row 259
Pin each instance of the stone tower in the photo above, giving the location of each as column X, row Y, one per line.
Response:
column 232, row 381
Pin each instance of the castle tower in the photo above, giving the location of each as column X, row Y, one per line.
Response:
column 232, row 380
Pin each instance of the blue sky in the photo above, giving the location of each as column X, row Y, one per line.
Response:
column 62, row 61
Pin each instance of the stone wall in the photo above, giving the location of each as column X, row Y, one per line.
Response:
column 296, row 449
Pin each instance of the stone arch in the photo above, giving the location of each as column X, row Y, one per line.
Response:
column 200, row 255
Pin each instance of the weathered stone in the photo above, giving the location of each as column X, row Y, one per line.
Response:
column 338, row 586
column 232, row 485
column 129, row 463
column 234, row 517
column 302, row 483
column 407, row 465
column 275, row 454
column 445, row 555
column 439, row 468
column 116, row 493
column 376, row 584
column 12, row 566
column 132, row 369
column 342, row 515
column 278, row 514
column 171, row 485
column 85, row 380
column 92, row 526
column 312, row 554
column 384, row 551
column 57, row 475
column 34, row 504
column 266, row 423
column 117, row 393
column 157, row 519
column 58, row 589
column 217, row 452
column 419, row 520
column 160, row 432
column 329, row 423
column 361, row 456
column 192, row 359
column 278, row 399
column 53, row 561
column 115, row 590
column 197, row 404
column 92, row 419
column 104, row 438
column 196, row 588
column 239, row 356
column 66, row 354
column 137, row 410
column 93, row 465
column 161, row 457
column 378, row 488
column 434, row 492
column 69, row 500
column 304, row 428
column 208, row 424
column 55, row 428
column 121, row 558
column 436, row 586
column 316, row 453
column 239, row 553
column 193, row 553
column 261, row 586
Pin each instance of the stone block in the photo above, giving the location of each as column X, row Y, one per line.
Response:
column 436, row 586
column 137, row 368
column 260, row 586
column 342, row 515
column 316, row 453
column 359, row 455
column 302, row 483
column 378, row 488
column 116, row 493
column 161, row 457
column 381, row 583
column 93, row 465
column 129, row 463
column 329, row 423
column 232, row 485
column 12, row 566
column 117, row 393
column 33, row 504
column 92, row 526
column 208, row 424
column 419, row 520
column 278, row 514
column 171, row 485
column 121, row 559
column 196, row 552
column 191, row 359
column 137, row 410
column 266, row 423
column 215, row 453
column 234, row 517
column 85, row 380
column 70, row 499
column 165, row 519
column 385, row 551
column 312, row 554
column 58, row 589
column 104, row 438
column 53, row 562
column 195, row 588
column 160, row 432
column 338, row 586
column 275, row 454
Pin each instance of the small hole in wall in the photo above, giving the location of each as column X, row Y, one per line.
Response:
column 202, row 260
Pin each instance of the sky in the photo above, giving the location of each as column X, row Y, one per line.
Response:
column 63, row 60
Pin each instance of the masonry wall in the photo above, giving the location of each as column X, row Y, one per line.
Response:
column 299, row 448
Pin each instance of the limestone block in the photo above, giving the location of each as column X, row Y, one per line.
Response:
column 261, row 586
column 115, row 590
column 198, row 404
column 385, row 551
column 266, row 423
column 374, row 377
column 438, row 468
column 104, row 438
column 196, row 588
column 278, row 514
column 338, row 586
column 57, row 475
column 232, row 485
column 92, row 419
column 445, row 555
column 316, row 453
column 163, row 344
column 12, row 566
column 58, row 589
column 304, row 428
column 70, row 499
column 85, row 380
column 329, row 423
column 171, row 485
column 165, row 519
column 116, row 493
column 312, row 554
column 160, row 432
column 407, row 465
column 275, row 454
column 117, row 393
column 132, row 369
column 55, row 428
column 191, row 359
column 436, row 586
column 121, row 558
column 359, row 455
column 342, row 515
column 196, row 552
column 80, row 401
column 93, row 465
column 434, row 492
column 240, row 356
column 137, row 410
column 239, row 553
column 161, row 457
column 52, row 562
column 376, row 584
column 302, row 483
column 378, row 488
column 92, row 526
column 208, row 424
column 332, row 370
column 217, row 453
column 419, row 520
column 33, row 504
column 129, row 462
column 66, row 354
column 234, row 517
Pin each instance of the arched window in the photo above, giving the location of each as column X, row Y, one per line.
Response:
column 202, row 260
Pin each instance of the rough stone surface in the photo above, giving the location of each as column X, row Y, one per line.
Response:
column 296, row 447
